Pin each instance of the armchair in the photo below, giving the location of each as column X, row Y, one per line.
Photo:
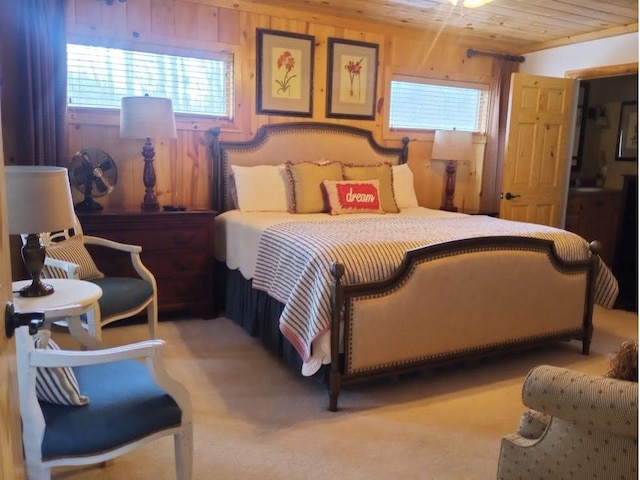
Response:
column 579, row 426
column 125, row 404
column 122, row 297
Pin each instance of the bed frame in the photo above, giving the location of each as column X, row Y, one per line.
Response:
column 521, row 295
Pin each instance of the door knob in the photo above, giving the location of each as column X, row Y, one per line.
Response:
column 13, row 320
column 510, row 196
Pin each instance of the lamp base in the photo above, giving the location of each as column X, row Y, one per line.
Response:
column 449, row 189
column 36, row 289
column 149, row 202
column 33, row 254
column 150, row 206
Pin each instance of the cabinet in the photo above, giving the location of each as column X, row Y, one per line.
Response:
column 176, row 246
column 625, row 267
column 594, row 216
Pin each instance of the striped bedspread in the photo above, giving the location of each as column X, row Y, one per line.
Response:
column 294, row 257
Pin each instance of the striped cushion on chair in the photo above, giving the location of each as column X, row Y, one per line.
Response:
column 57, row 385
column 72, row 250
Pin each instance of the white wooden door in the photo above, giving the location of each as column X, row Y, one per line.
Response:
column 11, row 464
column 537, row 159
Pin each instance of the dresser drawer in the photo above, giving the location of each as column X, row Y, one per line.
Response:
column 168, row 240
column 185, row 261
column 574, row 205
column 183, row 288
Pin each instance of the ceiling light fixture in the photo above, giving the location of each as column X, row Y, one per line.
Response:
column 470, row 3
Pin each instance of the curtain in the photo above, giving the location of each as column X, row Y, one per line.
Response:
column 41, row 88
column 496, row 134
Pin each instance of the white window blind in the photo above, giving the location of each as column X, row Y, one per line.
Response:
column 434, row 106
column 100, row 77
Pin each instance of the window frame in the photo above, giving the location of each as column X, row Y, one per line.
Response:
column 432, row 78
column 78, row 115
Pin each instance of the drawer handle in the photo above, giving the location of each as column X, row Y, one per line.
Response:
column 180, row 241
column 184, row 266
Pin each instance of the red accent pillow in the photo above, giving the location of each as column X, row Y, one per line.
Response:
column 352, row 196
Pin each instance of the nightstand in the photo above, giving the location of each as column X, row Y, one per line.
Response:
column 176, row 246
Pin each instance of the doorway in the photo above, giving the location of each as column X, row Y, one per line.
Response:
column 604, row 94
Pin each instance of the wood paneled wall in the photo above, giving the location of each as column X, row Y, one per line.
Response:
column 183, row 165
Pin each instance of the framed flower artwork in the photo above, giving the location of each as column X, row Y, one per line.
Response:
column 352, row 73
column 284, row 73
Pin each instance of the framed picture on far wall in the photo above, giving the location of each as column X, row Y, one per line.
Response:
column 352, row 73
column 284, row 73
column 627, row 142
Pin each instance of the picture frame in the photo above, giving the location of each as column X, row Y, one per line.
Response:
column 284, row 78
column 627, row 140
column 352, row 77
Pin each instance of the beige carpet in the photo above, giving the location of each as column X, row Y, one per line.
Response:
column 256, row 419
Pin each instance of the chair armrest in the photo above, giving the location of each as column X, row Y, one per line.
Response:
column 71, row 269
column 76, row 358
column 151, row 350
column 604, row 403
column 134, row 251
column 103, row 242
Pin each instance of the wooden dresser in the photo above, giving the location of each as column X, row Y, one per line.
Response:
column 594, row 216
column 176, row 246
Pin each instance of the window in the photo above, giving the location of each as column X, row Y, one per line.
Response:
column 99, row 77
column 428, row 104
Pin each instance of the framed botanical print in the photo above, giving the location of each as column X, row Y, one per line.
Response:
column 284, row 73
column 352, row 73
column 627, row 142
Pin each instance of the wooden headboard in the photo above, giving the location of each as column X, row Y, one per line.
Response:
column 296, row 142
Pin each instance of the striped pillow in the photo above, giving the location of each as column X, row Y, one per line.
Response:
column 72, row 250
column 56, row 384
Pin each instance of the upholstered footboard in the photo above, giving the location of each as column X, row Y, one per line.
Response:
column 456, row 300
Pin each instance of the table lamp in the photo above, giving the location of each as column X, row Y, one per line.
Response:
column 146, row 118
column 38, row 200
column 451, row 146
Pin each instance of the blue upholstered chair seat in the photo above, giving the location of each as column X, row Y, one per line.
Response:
column 124, row 403
column 120, row 294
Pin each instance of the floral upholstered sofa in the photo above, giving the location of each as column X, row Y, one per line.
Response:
column 578, row 426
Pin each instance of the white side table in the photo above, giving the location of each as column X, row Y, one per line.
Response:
column 70, row 299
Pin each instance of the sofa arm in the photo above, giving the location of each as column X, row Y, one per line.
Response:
column 603, row 403
column 533, row 424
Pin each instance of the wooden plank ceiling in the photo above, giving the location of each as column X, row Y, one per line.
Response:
column 520, row 25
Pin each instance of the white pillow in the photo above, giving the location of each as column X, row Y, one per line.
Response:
column 262, row 188
column 403, row 188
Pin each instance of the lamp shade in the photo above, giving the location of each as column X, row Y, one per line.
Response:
column 38, row 199
column 147, row 117
column 453, row 145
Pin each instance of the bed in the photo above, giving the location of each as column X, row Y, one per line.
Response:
column 340, row 273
